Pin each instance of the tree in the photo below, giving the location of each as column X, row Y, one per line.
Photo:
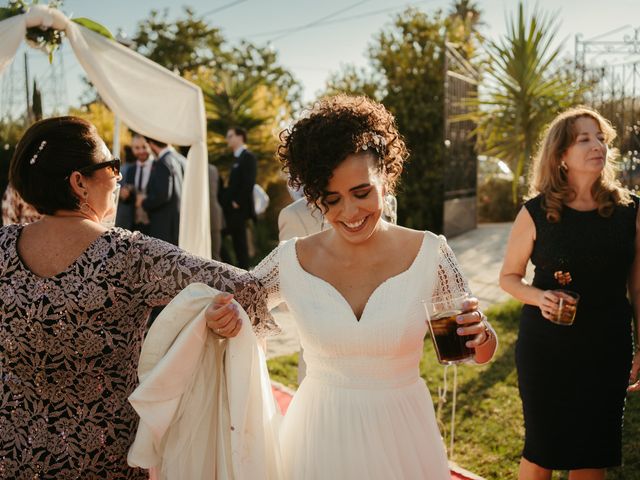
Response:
column 410, row 57
column 99, row 115
column 181, row 45
column 258, row 108
column 247, row 61
column 465, row 19
column 243, row 85
column 36, row 102
column 525, row 87
column 353, row 81
column 189, row 43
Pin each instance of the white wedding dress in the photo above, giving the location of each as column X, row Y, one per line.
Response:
column 363, row 411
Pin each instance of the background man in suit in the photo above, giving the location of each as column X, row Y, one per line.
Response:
column 135, row 179
column 237, row 198
column 161, row 201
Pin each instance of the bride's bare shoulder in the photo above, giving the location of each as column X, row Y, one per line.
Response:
column 311, row 244
column 404, row 235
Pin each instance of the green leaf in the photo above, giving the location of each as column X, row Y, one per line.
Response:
column 94, row 27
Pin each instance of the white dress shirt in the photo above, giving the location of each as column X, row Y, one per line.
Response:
column 144, row 169
column 238, row 151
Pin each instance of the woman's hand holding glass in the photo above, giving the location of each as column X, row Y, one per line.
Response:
column 548, row 304
column 473, row 322
column 458, row 329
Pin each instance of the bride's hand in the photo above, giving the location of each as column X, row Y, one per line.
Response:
column 472, row 322
column 223, row 316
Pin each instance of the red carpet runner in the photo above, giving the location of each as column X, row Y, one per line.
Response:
column 283, row 396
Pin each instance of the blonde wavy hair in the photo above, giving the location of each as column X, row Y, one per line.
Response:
column 549, row 177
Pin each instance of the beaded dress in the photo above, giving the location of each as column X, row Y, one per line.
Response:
column 69, row 349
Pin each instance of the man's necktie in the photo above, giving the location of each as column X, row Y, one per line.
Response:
column 140, row 173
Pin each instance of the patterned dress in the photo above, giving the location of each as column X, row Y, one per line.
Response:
column 69, row 348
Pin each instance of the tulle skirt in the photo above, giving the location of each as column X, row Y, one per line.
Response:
column 374, row 433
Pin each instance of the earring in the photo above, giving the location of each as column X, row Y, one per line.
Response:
column 563, row 166
column 85, row 208
column 84, row 205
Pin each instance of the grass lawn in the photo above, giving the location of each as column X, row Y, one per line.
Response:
column 489, row 431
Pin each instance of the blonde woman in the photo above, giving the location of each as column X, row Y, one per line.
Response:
column 579, row 230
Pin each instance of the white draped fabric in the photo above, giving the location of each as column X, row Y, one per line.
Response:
column 147, row 97
column 202, row 417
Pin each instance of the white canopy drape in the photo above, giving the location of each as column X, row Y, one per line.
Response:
column 147, row 97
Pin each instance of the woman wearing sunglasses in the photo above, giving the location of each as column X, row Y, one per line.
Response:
column 74, row 300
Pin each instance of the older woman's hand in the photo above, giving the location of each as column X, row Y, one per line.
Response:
column 223, row 316
column 548, row 304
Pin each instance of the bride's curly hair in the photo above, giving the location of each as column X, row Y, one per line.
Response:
column 334, row 128
column 549, row 176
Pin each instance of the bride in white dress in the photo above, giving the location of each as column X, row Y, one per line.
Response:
column 356, row 292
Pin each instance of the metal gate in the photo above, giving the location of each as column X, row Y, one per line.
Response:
column 460, row 159
column 611, row 70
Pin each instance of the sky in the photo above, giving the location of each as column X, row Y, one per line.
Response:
column 330, row 33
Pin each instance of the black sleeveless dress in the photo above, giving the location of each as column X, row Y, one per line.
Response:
column 573, row 379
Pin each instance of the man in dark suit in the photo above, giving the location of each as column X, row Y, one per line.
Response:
column 237, row 197
column 161, row 200
column 134, row 182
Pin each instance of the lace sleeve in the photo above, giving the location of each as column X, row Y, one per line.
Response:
column 268, row 274
column 162, row 270
column 450, row 281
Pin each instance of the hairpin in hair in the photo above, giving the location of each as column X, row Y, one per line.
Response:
column 375, row 141
column 35, row 155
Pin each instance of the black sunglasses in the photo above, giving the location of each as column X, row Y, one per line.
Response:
column 113, row 164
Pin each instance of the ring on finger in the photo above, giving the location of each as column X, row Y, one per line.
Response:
column 487, row 334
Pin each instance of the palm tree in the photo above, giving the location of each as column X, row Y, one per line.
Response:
column 468, row 11
column 247, row 102
column 525, row 88
column 230, row 103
